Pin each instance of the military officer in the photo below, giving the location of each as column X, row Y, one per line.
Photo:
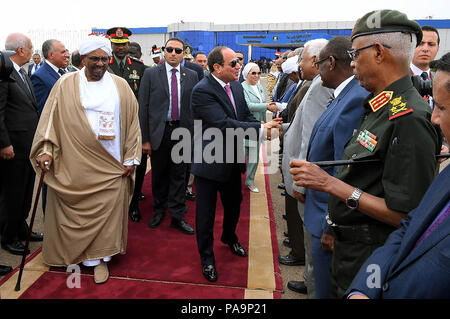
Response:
column 121, row 63
column 132, row 70
column 367, row 201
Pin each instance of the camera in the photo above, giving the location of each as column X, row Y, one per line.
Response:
column 6, row 66
column 424, row 87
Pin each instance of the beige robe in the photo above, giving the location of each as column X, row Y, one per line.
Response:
column 87, row 201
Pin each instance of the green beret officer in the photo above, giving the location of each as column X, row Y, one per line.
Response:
column 396, row 128
column 122, row 64
column 368, row 201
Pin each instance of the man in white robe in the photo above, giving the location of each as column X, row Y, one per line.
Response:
column 88, row 143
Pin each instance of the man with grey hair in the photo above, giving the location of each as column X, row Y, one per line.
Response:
column 296, row 140
column 18, row 120
column 368, row 201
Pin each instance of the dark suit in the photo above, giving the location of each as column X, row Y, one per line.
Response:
column 32, row 65
column 211, row 105
column 330, row 134
column 18, row 121
column 168, row 177
column 407, row 271
column 43, row 81
column 195, row 67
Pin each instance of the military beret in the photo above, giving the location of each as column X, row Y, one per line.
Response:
column 119, row 34
column 385, row 21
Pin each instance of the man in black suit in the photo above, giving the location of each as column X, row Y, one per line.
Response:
column 218, row 101
column 37, row 63
column 164, row 105
column 18, row 121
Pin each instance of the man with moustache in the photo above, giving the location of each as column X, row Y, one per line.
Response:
column 18, row 120
column 367, row 201
column 218, row 101
column 88, row 143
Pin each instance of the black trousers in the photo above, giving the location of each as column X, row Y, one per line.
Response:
column 16, row 192
column 168, row 179
column 231, row 198
column 139, row 180
column 295, row 228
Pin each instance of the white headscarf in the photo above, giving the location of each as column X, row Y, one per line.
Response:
column 93, row 43
column 247, row 69
column 290, row 65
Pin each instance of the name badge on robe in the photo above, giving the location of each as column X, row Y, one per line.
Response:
column 106, row 126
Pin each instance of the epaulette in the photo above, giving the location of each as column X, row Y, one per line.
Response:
column 398, row 108
column 380, row 100
column 135, row 59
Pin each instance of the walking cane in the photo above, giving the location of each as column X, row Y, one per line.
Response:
column 30, row 229
column 354, row 162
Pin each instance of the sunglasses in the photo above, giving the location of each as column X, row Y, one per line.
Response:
column 255, row 73
column 177, row 50
column 240, row 59
column 95, row 59
column 233, row 63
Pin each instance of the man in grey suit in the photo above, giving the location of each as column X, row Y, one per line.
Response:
column 296, row 140
column 164, row 105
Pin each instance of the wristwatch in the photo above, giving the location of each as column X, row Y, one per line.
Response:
column 353, row 201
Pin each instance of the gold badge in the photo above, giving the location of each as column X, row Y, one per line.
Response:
column 398, row 108
column 380, row 100
column 119, row 32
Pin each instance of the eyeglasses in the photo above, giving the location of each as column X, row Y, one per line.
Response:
column 353, row 54
column 95, row 59
column 177, row 50
column 317, row 63
column 255, row 73
column 240, row 59
column 233, row 63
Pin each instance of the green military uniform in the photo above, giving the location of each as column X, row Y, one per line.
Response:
column 132, row 70
column 129, row 68
column 396, row 129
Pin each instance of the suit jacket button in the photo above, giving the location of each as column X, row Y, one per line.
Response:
column 385, row 286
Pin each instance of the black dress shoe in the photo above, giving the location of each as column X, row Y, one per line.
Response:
column 287, row 243
column 15, row 248
column 238, row 250
column 284, row 217
column 210, row 273
column 135, row 215
column 289, row 261
column 184, row 227
column 281, row 186
column 297, row 286
column 283, row 193
column 5, row 270
column 36, row 236
column 156, row 220
column 141, row 196
column 286, row 234
column 190, row 196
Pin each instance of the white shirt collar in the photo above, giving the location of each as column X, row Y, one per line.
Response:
column 16, row 67
column 56, row 69
column 416, row 71
column 341, row 86
column 169, row 67
column 222, row 83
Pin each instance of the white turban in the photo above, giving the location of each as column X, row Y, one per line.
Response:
column 93, row 43
column 290, row 65
column 247, row 69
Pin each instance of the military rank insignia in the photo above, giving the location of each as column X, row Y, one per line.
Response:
column 367, row 139
column 134, row 75
column 398, row 108
column 380, row 100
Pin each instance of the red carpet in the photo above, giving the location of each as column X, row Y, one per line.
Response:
column 163, row 263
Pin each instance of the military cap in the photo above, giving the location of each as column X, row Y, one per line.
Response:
column 119, row 34
column 385, row 21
